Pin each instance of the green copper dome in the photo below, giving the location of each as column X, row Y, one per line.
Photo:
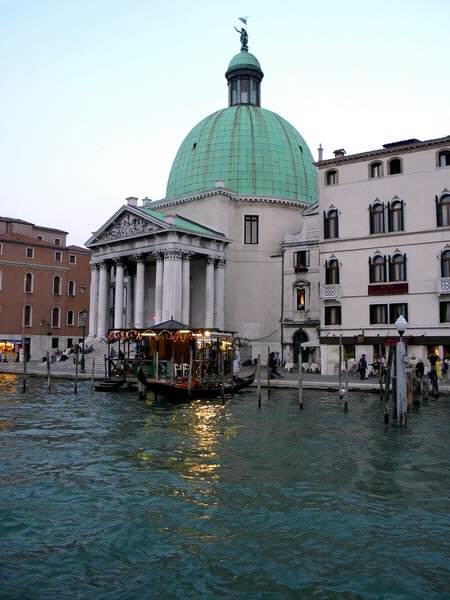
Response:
column 244, row 60
column 253, row 150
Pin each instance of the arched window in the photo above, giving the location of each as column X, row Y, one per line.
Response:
column 443, row 210
column 395, row 215
column 71, row 288
column 397, row 267
column 445, row 263
column 57, row 285
column 395, row 166
column 331, row 177
column 55, row 316
column 27, row 315
column 443, row 158
column 376, row 214
column 332, row 272
column 330, row 224
column 29, row 283
column 70, row 317
column 376, row 170
column 1, row 277
column 301, row 289
column 377, row 269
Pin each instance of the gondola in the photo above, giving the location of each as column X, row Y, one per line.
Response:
column 179, row 391
column 114, row 386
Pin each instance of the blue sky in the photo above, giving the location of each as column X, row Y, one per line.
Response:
column 96, row 96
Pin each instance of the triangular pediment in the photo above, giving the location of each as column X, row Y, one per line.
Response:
column 126, row 223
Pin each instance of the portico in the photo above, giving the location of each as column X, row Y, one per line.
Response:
column 141, row 272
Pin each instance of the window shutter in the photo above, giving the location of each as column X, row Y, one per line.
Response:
column 402, row 222
column 385, row 315
column 384, row 268
column 372, row 314
column 405, row 276
column 390, row 223
column 384, row 226
column 337, row 224
column 370, row 218
column 325, row 223
column 441, row 259
column 438, row 212
column 338, row 274
column 390, row 268
column 327, row 273
column 370, row 271
column 442, row 312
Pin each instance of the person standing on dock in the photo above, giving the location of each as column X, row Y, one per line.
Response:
column 362, row 367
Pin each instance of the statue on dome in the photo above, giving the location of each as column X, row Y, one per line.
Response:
column 244, row 38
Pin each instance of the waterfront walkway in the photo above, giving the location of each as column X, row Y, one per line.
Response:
column 66, row 370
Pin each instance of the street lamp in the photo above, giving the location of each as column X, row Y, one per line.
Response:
column 83, row 316
column 402, row 325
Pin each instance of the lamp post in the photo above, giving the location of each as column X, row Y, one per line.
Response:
column 400, row 363
column 83, row 316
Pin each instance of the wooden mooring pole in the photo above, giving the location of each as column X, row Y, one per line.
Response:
column 75, row 387
column 47, row 358
column 93, row 374
column 268, row 370
column 258, row 380
column 300, row 384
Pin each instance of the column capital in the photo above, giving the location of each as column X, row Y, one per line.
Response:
column 159, row 255
column 119, row 262
column 187, row 255
column 210, row 260
column 220, row 262
column 103, row 265
column 93, row 266
column 173, row 254
column 139, row 257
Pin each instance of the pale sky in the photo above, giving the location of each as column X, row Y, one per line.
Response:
column 97, row 95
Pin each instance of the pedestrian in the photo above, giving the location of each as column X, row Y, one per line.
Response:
column 420, row 369
column 445, row 368
column 273, row 366
column 362, row 367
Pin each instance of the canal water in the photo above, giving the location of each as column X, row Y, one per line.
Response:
column 106, row 496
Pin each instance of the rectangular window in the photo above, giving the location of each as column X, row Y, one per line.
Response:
column 251, row 229
column 27, row 315
column 72, row 259
column 349, row 351
column 57, row 242
column 444, row 312
column 55, row 343
column 30, row 253
column 301, row 260
column 69, row 342
column 58, row 256
column 332, row 315
column 395, row 310
column 378, row 314
column 301, row 298
column 1, row 248
column 39, row 237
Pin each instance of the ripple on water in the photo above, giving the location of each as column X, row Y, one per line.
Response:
column 106, row 496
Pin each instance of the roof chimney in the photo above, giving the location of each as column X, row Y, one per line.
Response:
column 320, row 151
column 339, row 152
column 132, row 201
column 146, row 201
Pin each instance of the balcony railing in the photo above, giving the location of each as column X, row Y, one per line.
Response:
column 443, row 285
column 330, row 291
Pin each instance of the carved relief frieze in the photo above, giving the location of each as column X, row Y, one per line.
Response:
column 127, row 225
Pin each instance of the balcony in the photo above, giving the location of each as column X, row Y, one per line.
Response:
column 330, row 291
column 443, row 285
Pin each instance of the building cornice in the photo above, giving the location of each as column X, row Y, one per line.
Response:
column 381, row 152
column 24, row 265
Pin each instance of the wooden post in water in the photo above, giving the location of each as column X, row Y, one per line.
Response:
column 172, row 370
column 380, row 371
column 394, row 384
column 77, row 353
column 141, row 386
column 190, row 372
column 268, row 370
column 93, row 374
column 222, row 376
column 340, row 367
column 106, row 368
column 258, row 380
column 156, row 374
column 24, row 358
column 346, row 388
column 300, row 384
column 47, row 360
column 387, row 385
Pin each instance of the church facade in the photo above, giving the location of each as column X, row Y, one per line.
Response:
column 210, row 253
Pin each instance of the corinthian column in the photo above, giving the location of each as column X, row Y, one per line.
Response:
column 139, row 293
column 93, row 301
column 129, row 318
column 186, row 291
column 209, row 292
column 159, row 286
column 103, row 288
column 118, row 296
column 219, row 295
column 171, row 306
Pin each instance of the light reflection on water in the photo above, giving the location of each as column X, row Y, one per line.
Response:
column 108, row 496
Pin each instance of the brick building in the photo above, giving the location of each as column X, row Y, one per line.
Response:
column 44, row 289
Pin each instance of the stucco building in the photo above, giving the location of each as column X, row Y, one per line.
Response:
column 44, row 288
column 209, row 253
column 385, row 249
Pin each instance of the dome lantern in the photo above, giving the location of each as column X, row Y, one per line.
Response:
column 244, row 75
